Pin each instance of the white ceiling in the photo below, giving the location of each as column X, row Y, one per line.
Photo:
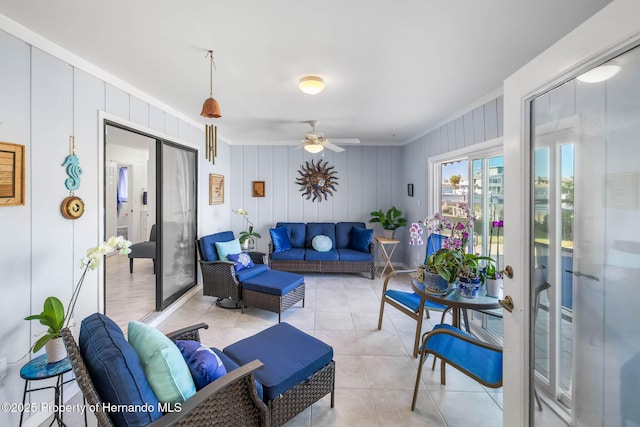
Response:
column 393, row 69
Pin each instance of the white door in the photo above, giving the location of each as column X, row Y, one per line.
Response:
column 111, row 204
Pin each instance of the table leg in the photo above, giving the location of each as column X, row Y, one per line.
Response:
column 455, row 320
column 24, row 398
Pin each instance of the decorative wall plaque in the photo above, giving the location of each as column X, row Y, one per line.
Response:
column 317, row 180
column 11, row 174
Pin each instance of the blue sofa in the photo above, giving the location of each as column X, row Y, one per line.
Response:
column 302, row 257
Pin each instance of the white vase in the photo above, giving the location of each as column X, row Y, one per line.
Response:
column 493, row 287
column 55, row 349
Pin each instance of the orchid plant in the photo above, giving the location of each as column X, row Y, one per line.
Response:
column 53, row 314
column 248, row 233
column 493, row 270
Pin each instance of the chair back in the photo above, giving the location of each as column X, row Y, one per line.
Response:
column 434, row 243
column 207, row 245
column 152, row 234
column 83, row 379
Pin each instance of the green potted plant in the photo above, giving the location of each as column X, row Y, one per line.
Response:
column 390, row 221
column 53, row 313
column 246, row 237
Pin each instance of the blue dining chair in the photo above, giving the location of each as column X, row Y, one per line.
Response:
column 410, row 303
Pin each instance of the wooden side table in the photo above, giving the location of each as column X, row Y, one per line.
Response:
column 385, row 254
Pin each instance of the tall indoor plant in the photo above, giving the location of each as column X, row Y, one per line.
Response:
column 390, row 220
column 53, row 313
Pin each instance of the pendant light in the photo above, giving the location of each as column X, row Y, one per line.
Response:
column 210, row 108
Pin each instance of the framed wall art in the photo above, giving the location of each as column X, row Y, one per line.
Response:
column 258, row 188
column 216, row 189
column 11, row 174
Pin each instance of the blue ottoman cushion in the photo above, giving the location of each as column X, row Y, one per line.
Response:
column 273, row 282
column 248, row 273
column 230, row 365
column 290, row 357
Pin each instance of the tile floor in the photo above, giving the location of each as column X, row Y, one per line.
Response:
column 375, row 372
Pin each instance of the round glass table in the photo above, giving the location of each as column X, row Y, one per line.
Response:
column 458, row 303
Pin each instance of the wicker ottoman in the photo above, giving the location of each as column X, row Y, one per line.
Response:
column 298, row 369
column 273, row 290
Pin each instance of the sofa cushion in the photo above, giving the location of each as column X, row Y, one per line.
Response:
column 116, row 371
column 296, row 232
column 274, row 282
column 163, row 363
column 226, row 248
column 230, row 365
column 207, row 244
column 250, row 272
column 351, row 255
column 342, row 233
column 313, row 255
column 243, row 260
column 322, row 243
column 205, row 366
column 295, row 254
column 315, row 228
column 280, row 239
column 360, row 238
column 290, row 356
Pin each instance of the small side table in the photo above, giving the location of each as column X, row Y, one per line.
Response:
column 38, row 369
column 384, row 254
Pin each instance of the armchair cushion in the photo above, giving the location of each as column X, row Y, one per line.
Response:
column 360, row 238
column 116, row 370
column 164, row 365
column 242, row 260
column 205, row 365
column 313, row 255
column 343, row 231
column 207, row 247
column 322, row 243
column 248, row 273
column 226, row 248
column 280, row 239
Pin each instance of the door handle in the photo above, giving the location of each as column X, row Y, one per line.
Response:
column 508, row 271
column 507, row 303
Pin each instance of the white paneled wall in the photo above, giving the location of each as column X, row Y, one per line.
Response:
column 368, row 178
column 44, row 101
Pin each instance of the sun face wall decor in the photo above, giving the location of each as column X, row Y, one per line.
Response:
column 317, row 180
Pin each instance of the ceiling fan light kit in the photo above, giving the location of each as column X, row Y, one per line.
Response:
column 211, row 108
column 311, row 84
column 313, row 148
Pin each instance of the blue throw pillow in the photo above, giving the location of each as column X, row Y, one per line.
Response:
column 360, row 238
column 226, row 248
column 280, row 239
column 322, row 243
column 242, row 260
column 205, row 366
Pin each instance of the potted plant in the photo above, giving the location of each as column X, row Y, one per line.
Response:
column 246, row 237
column 390, row 221
column 53, row 313
column 494, row 279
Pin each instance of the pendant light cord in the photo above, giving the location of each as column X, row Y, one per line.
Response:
column 211, row 65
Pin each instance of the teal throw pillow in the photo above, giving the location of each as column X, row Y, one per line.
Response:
column 164, row 366
column 280, row 239
column 243, row 260
column 360, row 238
column 322, row 243
column 226, row 248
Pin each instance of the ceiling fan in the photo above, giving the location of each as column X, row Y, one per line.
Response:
column 315, row 141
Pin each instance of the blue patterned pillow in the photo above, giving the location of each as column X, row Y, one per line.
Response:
column 360, row 238
column 242, row 260
column 205, row 366
column 280, row 239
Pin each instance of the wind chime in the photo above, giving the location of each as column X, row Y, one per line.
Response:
column 72, row 206
column 211, row 110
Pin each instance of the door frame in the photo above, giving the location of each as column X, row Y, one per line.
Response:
column 606, row 34
column 105, row 118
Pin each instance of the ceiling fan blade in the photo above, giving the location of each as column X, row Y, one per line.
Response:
column 333, row 147
column 345, row 140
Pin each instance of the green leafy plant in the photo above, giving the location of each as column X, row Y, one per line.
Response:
column 249, row 234
column 390, row 220
column 52, row 317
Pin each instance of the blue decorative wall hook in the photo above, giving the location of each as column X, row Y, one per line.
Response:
column 73, row 168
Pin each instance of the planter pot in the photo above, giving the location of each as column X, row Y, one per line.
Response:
column 434, row 283
column 493, row 287
column 468, row 288
column 420, row 274
column 55, row 350
column 388, row 233
column 247, row 244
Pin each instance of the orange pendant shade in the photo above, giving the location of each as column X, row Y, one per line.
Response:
column 211, row 109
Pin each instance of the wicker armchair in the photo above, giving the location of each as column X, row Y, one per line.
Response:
column 231, row 400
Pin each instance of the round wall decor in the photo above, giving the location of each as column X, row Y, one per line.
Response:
column 72, row 207
column 317, row 180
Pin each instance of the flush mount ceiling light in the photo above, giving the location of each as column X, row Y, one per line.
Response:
column 599, row 74
column 313, row 148
column 210, row 108
column 311, row 85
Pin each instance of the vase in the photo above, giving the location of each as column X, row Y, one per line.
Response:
column 247, row 244
column 55, row 350
column 468, row 288
column 388, row 234
column 434, row 283
column 493, row 287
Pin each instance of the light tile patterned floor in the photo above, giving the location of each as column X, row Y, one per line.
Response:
column 375, row 372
